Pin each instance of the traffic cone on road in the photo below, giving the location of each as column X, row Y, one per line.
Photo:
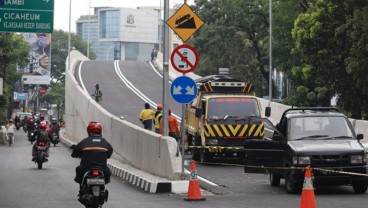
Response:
column 308, row 200
column 194, row 191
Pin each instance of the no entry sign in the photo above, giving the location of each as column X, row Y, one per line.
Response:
column 184, row 58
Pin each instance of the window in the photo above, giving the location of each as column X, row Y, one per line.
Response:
column 232, row 106
column 109, row 24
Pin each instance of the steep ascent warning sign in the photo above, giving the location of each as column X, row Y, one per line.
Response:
column 184, row 22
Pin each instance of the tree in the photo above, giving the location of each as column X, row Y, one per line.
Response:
column 329, row 44
column 59, row 51
column 13, row 53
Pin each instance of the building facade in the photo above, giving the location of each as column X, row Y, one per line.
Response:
column 121, row 33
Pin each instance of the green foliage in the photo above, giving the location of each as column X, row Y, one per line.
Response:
column 13, row 53
column 59, row 53
column 331, row 46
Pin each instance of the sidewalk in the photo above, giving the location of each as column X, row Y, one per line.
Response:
column 146, row 181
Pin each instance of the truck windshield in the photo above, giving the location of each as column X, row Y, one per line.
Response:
column 334, row 127
column 232, row 107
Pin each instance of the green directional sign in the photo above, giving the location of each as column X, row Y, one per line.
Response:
column 34, row 16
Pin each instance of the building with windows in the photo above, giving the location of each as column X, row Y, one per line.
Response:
column 121, row 33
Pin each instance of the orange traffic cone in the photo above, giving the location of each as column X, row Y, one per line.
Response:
column 194, row 192
column 308, row 200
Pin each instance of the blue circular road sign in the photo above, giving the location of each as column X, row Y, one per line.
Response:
column 183, row 89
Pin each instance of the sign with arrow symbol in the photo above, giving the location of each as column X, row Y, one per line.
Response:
column 183, row 89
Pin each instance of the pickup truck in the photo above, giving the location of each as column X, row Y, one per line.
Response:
column 320, row 137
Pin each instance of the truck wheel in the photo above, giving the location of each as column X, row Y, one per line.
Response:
column 360, row 187
column 291, row 186
column 195, row 149
column 275, row 180
column 205, row 156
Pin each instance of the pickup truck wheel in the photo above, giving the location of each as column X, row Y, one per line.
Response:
column 275, row 180
column 360, row 187
column 291, row 186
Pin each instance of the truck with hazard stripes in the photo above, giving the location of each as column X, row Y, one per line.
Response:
column 217, row 122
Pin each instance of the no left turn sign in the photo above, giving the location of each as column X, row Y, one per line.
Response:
column 184, row 58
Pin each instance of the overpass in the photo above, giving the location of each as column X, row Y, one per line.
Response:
column 141, row 157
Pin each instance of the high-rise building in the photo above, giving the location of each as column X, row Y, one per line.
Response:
column 121, row 33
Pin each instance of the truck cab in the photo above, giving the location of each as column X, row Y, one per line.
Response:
column 217, row 121
column 321, row 138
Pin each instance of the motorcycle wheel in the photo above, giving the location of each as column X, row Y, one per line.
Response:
column 39, row 160
column 10, row 141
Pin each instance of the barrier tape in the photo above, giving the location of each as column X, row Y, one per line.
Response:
column 286, row 168
column 215, row 148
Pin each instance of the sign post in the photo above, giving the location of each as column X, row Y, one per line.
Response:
column 35, row 16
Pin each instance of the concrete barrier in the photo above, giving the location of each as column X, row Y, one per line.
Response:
column 142, row 149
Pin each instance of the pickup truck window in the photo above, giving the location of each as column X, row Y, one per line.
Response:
column 319, row 128
column 220, row 107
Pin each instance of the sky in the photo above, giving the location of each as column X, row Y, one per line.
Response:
column 80, row 7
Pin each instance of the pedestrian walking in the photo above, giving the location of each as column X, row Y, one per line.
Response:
column 153, row 55
column 146, row 116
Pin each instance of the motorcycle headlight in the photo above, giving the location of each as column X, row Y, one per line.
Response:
column 213, row 142
column 302, row 160
column 355, row 159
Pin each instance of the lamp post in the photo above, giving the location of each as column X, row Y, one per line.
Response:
column 107, row 52
column 89, row 22
column 69, row 36
column 270, row 63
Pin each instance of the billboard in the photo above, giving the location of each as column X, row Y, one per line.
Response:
column 39, row 67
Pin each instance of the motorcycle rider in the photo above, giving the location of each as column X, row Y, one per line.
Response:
column 93, row 151
column 17, row 122
column 55, row 127
column 41, row 135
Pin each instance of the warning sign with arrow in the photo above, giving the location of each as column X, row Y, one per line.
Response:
column 184, row 22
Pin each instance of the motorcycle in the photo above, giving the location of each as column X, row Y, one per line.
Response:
column 17, row 126
column 40, row 156
column 54, row 138
column 92, row 192
column 30, row 135
column 25, row 128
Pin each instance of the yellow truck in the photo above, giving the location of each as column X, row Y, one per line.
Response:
column 218, row 120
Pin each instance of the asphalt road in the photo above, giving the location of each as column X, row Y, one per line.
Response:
column 235, row 189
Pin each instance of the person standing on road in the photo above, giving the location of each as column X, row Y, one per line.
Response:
column 146, row 116
column 173, row 126
column 157, row 118
column 97, row 94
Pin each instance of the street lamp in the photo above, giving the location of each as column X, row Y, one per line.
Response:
column 270, row 63
column 89, row 22
column 107, row 52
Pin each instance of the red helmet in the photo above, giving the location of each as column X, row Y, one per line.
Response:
column 43, row 125
column 94, row 128
column 159, row 107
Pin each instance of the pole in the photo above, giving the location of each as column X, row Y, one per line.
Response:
column 165, row 70
column 270, row 64
column 89, row 22
column 69, row 36
column 183, row 138
column 107, row 52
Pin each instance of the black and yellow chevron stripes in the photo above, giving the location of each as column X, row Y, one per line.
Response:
column 240, row 130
